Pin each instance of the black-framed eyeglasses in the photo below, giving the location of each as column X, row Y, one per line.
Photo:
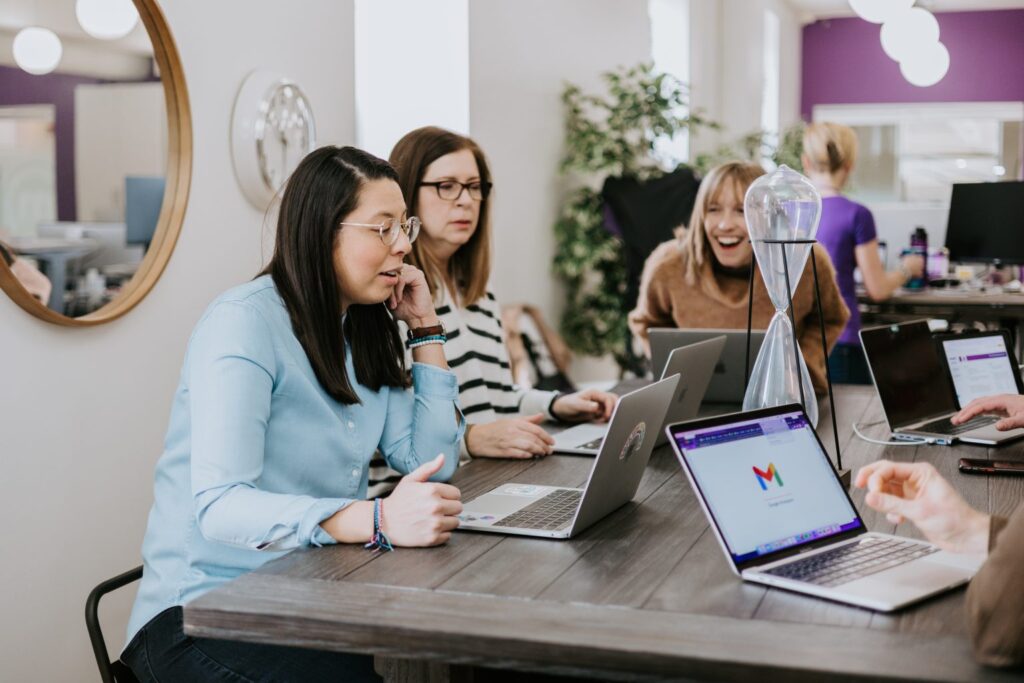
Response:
column 391, row 228
column 450, row 190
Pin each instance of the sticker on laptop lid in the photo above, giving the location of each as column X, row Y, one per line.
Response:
column 634, row 442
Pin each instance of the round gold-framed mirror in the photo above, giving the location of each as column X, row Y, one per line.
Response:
column 104, row 282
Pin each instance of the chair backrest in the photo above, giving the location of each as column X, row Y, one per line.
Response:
column 538, row 355
column 116, row 671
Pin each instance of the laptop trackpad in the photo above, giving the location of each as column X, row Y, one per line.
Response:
column 909, row 580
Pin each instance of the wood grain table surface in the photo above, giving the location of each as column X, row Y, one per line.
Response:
column 644, row 593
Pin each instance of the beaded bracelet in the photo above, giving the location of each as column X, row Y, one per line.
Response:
column 423, row 341
column 379, row 540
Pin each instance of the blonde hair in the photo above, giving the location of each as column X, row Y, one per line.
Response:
column 696, row 250
column 829, row 147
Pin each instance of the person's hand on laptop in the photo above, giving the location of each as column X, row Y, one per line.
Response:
column 512, row 437
column 1009, row 406
column 917, row 492
column 585, row 406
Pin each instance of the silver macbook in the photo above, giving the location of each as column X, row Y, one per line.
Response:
column 727, row 383
column 560, row 512
column 694, row 364
column 923, row 381
column 783, row 518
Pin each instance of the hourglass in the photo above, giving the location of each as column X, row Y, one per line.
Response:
column 782, row 211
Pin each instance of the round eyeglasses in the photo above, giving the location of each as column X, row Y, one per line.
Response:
column 390, row 229
column 450, row 190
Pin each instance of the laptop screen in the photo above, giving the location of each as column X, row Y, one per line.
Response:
column 980, row 366
column 908, row 371
column 767, row 483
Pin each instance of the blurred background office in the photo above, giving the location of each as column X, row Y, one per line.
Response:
column 84, row 150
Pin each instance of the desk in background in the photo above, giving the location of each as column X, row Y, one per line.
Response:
column 55, row 255
column 955, row 305
column 644, row 592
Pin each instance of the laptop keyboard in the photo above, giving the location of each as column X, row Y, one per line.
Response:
column 944, row 426
column 853, row 561
column 553, row 511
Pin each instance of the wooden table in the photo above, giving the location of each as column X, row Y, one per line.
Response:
column 645, row 593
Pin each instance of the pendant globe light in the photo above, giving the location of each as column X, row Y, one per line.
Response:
column 107, row 19
column 37, row 50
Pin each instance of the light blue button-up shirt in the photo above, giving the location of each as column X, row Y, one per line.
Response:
column 257, row 454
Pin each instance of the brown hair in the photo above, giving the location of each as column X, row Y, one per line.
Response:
column 829, row 147
column 469, row 268
column 696, row 250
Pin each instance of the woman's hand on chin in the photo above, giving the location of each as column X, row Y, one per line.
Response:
column 410, row 301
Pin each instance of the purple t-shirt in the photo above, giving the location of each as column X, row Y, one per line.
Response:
column 845, row 225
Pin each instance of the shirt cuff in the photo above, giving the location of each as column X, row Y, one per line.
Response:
column 430, row 379
column 310, row 531
column 535, row 401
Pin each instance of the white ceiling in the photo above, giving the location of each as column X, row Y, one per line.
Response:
column 822, row 9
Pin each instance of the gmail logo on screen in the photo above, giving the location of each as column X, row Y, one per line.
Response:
column 765, row 477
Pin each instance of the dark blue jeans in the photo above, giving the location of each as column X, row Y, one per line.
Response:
column 848, row 365
column 162, row 652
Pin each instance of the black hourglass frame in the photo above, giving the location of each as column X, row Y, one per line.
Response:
column 792, row 324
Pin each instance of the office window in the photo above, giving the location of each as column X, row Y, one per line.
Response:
column 670, row 50
column 410, row 72
column 916, row 152
column 770, row 65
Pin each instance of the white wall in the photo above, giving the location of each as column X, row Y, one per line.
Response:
column 726, row 43
column 83, row 411
column 521, row 54
column 410, row 73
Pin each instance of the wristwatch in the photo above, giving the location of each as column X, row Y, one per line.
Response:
column 424, row 332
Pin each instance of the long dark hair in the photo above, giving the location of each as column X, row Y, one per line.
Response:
column 469, row 268
column 323, row 189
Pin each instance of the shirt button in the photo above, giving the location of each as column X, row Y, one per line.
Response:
column 351, row 424
column 355, row 473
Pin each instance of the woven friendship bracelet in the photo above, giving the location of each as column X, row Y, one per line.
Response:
column 379, row 540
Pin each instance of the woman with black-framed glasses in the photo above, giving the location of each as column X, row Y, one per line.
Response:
column 290, row 383
column 445, row 181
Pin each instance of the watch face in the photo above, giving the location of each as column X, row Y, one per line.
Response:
column 286, row 134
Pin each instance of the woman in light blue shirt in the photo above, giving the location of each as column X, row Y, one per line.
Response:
column 289, row 384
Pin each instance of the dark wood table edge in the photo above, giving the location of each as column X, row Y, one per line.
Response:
column 567, row 638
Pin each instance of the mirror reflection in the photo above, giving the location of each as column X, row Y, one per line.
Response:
column 83, row 149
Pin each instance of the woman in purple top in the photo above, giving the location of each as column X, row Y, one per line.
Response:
column 847, row 230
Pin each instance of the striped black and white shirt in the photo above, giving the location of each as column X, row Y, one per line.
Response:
column 477, row 355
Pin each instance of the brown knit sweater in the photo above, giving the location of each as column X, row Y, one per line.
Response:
column 720, row 301
column 995, row 599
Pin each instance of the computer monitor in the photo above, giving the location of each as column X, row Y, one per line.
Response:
column 986, row 223
column 143, row 197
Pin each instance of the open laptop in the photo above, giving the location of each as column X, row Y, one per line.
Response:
column 561, row 512
column 919, row 379
column 727, row 383
column 783, row 518
column 694, row 364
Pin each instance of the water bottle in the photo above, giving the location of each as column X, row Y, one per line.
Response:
column 919, row 245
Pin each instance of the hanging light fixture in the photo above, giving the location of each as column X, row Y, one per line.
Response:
column 107, row 19
column 927, row 67
column 909, row 32
column 37, row 50
column 879, row 11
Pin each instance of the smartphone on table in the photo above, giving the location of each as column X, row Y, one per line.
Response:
column 978, row 466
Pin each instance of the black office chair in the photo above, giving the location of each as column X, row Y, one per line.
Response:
column 110, row 671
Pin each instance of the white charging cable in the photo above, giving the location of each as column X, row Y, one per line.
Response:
column 910, row 441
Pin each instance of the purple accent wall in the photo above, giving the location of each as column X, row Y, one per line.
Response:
column 20, row 87
column 843, row 62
